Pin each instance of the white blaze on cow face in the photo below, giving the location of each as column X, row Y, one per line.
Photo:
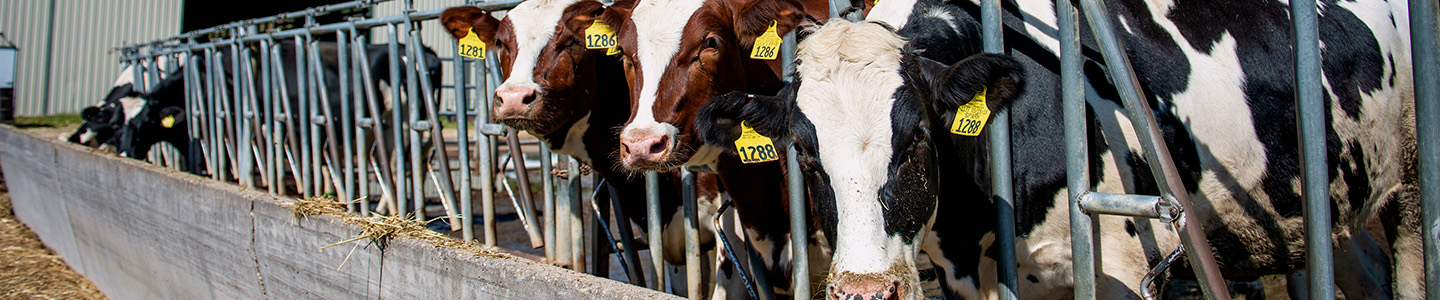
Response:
column 893, row 12
column 848, row 79
column 533, row 23
column 658, row 26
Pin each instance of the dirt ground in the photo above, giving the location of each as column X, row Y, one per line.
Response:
column 29, row 269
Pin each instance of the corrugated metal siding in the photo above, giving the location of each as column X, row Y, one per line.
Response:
column 432, row 34
column 82, row 66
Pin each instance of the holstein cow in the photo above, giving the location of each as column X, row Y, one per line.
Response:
column 573, row 98
column 102, row 120
column 677, row 55
column 1227, row 115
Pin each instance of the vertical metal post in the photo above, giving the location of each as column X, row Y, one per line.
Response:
column 192, row 109
column 1425, row 46
column 1000, row 162
column 300, row 119
column 562, row 245
column 1077, row 164
column 1192, row 234
column 483, row 90
column 547, row 189
column 347, row 121
column 627, row 238
column 600, row 242
column 693, row 283
column 216, row 132
column 655, row 231
column 577, row 224
column 397, row 125
column 1310, row 109
column 462, row 119
column 412, row 101
column 362, row 146
column 522, row 177
column 799, row 236
column 240, row 116
column 268, row 100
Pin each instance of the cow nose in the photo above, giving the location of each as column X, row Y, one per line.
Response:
column 645, row 149
column 865, row 290
column 514, row 102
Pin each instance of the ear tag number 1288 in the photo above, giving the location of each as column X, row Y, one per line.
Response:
column 767, row 46
column 471, row 46
column 970, row 118
column 753, row 147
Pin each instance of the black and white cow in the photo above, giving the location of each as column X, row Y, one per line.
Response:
column 1219, row 77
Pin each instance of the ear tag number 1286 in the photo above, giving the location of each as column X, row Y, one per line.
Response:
column 753, row 147
column 970, row 118
column 601, row 36
column 767, row 46
column 471, row 46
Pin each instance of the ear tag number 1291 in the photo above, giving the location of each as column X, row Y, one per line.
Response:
column 970, row 118
column 471, row 46
column 767, row 46
column 753, row 147
column 601, row 36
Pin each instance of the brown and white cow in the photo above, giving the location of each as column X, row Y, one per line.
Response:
column 573, row 98
column 680, row 53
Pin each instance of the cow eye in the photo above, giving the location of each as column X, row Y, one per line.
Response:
column 710, row 43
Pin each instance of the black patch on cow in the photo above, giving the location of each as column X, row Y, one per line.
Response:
column 935, row 38
column 1356, row 174
column 1032, row 279
column 1351, row 58
column 1130, row 228
column 911, row 165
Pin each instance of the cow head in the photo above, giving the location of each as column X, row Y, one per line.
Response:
column 680, row 53
column 541, row 47
column 868, row 119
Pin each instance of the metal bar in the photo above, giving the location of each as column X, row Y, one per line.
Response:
column 300, row 118
column 397, row 132
column 289, row 118
column 547, row 188
column 1310, row 107
column 693, row 283
column 192, row 115
column 799, row 236
column 243, row 114
column 1000, row 178
column 1145, row 206
column 577, row 224
column 273, row 168
column 1077, row 163
column 601, row 241
column 1425, row 47
column 729, row 250
column 654, row 229
column 412, row 108
column 563, row 255
column 328, row 119
column 347, row 120
column 527, row 202
column 372, row 103
column 627, row 239
column 362, row 150
column 441, row 157
column 460, row 68
column 487, row 146
column 1163, row 168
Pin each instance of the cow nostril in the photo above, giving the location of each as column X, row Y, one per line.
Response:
column 660, row 146
column 528, row 99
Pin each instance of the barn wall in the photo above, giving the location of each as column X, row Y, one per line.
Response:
column 141, row 232
column 81, row 66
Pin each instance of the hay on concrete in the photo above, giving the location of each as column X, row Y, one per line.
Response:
column 29, row 270
column 380, row 229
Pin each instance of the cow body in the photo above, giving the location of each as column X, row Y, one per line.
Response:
column 1222, row 92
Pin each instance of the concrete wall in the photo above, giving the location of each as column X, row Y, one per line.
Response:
column 142, row 232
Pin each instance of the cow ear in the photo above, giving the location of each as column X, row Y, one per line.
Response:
column 1000, row 77
column 581, row 15
column 91, row 114
column 755, row 17
column 719, row 120
column 460, row 20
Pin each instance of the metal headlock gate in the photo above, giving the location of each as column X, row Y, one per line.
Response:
column 243, row 127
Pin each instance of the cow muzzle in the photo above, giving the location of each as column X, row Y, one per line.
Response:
column 645, row 152
column 514, row 102
column 866, row 290
column 899, row 282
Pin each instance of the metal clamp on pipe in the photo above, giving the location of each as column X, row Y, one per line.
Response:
column 492, row 129
column 365, row 122
column 1154, row 207
column 420, row 125
column 317, row 120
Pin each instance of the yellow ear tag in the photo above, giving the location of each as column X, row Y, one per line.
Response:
column 600, row 36
column 168, row 121
column 471, row 46
column 753, row 147
column 970, row 118
column 767, row 46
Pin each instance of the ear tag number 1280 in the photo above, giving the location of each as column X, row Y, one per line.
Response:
column 471, row 46
column 753, row 147
column 767, row 46
column 970, row 118
column 601, row 36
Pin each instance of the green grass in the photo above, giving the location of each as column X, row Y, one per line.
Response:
column 48, row 121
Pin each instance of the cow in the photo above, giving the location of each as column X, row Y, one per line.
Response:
column 1240, row 168
column 573, row 98
column 677, row 55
